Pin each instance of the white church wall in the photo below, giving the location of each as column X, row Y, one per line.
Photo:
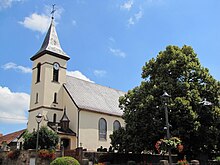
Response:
column 89, row 133
column 47, row 116
column 71, row 111
column 46, row 88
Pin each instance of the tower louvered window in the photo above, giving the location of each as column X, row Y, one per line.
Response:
column 54, row 117
column 55, row 75
column 55, row 98
column 36, row 100
column 38, row 72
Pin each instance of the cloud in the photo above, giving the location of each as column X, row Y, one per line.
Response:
column 13, row 106
column 111, row 39
column 131, row 21
column 37, row 22
column 138, row 15
column 79, row 75
column 16, row 67
column 41, row 22
column 74, row 22
column 117, row 52
column 127, row 5
column 8, row 3
column 135, row 18
column 99, row 73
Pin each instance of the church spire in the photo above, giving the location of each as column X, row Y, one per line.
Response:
column 51, row 44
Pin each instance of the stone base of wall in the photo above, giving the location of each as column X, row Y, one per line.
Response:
column 24, row 158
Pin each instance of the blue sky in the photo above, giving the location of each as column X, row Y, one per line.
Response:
column 108, row 41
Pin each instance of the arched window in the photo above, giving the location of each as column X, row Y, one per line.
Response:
column 54, row 117
column 55, row 98
column 38, row 71
column 56, row 67
column 102, row 129
column 116, row 125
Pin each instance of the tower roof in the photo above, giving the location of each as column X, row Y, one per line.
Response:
column 51, row 45
column 64, row 118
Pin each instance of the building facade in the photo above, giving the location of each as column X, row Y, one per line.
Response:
column 83, row 114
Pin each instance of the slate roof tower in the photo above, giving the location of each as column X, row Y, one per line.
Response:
column 48, row 77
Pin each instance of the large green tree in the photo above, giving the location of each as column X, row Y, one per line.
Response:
column 178, row 72
column 48, row 139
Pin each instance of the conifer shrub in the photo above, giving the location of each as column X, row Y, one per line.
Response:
column 67, row 160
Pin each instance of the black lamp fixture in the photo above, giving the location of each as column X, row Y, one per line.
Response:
column 38, row 118
column 165, row 98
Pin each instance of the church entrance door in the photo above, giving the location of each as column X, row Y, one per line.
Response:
column 66, row 143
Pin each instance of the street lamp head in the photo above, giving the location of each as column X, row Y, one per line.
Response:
column 165, row 96
column 39, row 117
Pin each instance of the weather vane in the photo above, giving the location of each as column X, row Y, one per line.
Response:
column 53, row 11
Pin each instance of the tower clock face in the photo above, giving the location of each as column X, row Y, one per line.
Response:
column 56, row 66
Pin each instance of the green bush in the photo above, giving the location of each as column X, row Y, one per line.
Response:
column 67, row 160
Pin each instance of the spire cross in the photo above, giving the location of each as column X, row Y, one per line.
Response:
column 53, row 11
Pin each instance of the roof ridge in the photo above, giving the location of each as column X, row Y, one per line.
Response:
column 97, row 84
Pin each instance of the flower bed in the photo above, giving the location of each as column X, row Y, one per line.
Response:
column 46, row 154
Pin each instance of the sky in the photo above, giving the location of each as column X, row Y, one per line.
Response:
column 108, row 42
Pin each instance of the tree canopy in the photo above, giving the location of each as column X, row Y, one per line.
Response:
column 47, row 139
column 178, row 72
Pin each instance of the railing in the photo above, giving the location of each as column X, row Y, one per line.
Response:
column 70, row 153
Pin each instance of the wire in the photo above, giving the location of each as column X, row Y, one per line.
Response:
column 11, row 118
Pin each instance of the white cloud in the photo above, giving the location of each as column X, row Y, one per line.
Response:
column 16, row 67
column 79, row 75
column 8, row 3
column 135, row 18
column 41, row 22
column 99, row 73
column 111, row 39
column 138, row 15
column 117, row 52
column 37, row 22
column 13, row 106
column 127, row 5
column 131, row 21
column 74, row 22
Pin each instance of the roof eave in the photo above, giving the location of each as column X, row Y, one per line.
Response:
column 39, row 54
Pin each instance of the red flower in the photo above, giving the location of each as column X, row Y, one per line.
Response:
column 46, row 154
column 180, row 147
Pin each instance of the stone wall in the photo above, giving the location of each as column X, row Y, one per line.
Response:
column 24, row 158
column 123, row 158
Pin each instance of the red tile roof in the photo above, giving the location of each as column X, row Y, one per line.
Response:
column 10, row 137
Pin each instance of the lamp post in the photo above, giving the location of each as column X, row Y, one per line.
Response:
column 38, row 118
column 165, row 98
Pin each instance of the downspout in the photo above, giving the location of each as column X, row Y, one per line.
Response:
column 78, row 129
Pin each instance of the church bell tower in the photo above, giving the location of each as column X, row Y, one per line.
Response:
column 48, row 77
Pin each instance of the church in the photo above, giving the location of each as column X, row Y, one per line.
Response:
column 82, row 113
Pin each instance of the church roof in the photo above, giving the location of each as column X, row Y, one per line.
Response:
column 93, row 97
column 51, row 45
